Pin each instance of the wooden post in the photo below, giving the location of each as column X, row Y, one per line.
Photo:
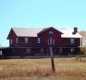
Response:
column 52, row 59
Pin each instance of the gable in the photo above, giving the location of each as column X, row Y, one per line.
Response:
column 49, row 29
column 11, row 33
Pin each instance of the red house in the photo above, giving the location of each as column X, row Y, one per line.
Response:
column 36, row 42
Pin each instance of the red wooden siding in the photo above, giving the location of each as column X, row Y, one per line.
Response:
column 44, row 36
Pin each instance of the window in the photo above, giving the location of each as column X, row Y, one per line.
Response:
column 72, row 50
column 0, row 52
column 13, row 51
column 38, row 40
column 60, row 50
column 72, row 41
column 41, row 50
column 11, row 41
column 16, row 40
column 26, row 40
column 28, row 50
column 48, row 41
column 53, row 41
column 54, row 50
column 50, row 32
column 47, row 51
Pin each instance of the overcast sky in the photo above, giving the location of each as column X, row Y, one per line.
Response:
column 40, row 14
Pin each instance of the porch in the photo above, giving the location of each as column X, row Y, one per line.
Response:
column 34, row 52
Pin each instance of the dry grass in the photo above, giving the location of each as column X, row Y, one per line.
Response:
column 40, row 69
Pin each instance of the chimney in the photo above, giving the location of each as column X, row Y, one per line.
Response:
column 75, row 30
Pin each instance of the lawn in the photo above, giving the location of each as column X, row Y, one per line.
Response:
column 40, row 69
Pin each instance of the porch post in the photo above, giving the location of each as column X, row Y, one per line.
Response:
column 80, row 41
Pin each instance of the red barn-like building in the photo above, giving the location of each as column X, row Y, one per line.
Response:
column 36, row 42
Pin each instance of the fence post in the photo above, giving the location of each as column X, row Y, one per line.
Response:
column 52, row 59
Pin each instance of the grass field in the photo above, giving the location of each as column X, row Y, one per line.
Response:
column 40, row 69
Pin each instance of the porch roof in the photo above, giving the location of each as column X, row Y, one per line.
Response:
column 33, row 47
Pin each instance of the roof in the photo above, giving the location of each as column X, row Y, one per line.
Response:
column 26, row 32
column 49, row 28
column 68, row 33
column 32, row 32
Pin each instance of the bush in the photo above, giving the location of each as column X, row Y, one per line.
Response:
column 83, row 51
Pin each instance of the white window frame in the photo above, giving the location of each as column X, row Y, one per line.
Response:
column 72, row 41
column 50, row 32
column 16, row 40
column 53, row 41
column 38, row 40
column 11, row 41
column 26, row 40
column 48, row 41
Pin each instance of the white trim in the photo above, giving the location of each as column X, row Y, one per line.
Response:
column 16, row 40
column 53, row 41
column 38, row 40
column 11, row 41
column 26, row 40
column 71, row 41
column 50, row 32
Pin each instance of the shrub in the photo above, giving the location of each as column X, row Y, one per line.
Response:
column 83, row 50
